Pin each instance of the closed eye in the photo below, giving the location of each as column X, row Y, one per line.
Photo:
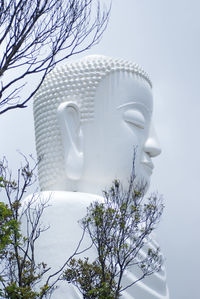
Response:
column 134, row 117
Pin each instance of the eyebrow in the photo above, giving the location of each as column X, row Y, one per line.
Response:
column 132, row 104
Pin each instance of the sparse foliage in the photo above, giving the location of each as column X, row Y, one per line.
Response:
column 35, row 35
column 87, row 277
column 120, row 229
column 20, row 275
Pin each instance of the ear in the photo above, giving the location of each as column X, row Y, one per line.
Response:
column 69, row 120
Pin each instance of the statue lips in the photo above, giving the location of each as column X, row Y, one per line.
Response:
column 148, row 166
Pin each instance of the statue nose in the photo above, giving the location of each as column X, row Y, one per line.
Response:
column 152, row 146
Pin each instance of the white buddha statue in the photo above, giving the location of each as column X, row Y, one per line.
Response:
column 89, row 116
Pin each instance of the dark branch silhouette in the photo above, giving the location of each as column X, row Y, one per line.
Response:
column 35, row 35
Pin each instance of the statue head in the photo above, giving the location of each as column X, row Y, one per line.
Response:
column 90, row 115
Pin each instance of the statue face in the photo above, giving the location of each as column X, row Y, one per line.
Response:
column 122, row 123
column 88, row 122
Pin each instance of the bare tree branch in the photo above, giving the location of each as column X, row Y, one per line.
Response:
column 36, row 35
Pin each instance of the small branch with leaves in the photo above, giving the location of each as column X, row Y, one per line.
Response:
column 20, row 227
column 120, row 228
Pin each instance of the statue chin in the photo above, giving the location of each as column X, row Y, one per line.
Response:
column 93, row 118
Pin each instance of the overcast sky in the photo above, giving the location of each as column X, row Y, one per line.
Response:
column 163, row 37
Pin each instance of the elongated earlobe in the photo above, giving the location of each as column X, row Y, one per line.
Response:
column 72, row 138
